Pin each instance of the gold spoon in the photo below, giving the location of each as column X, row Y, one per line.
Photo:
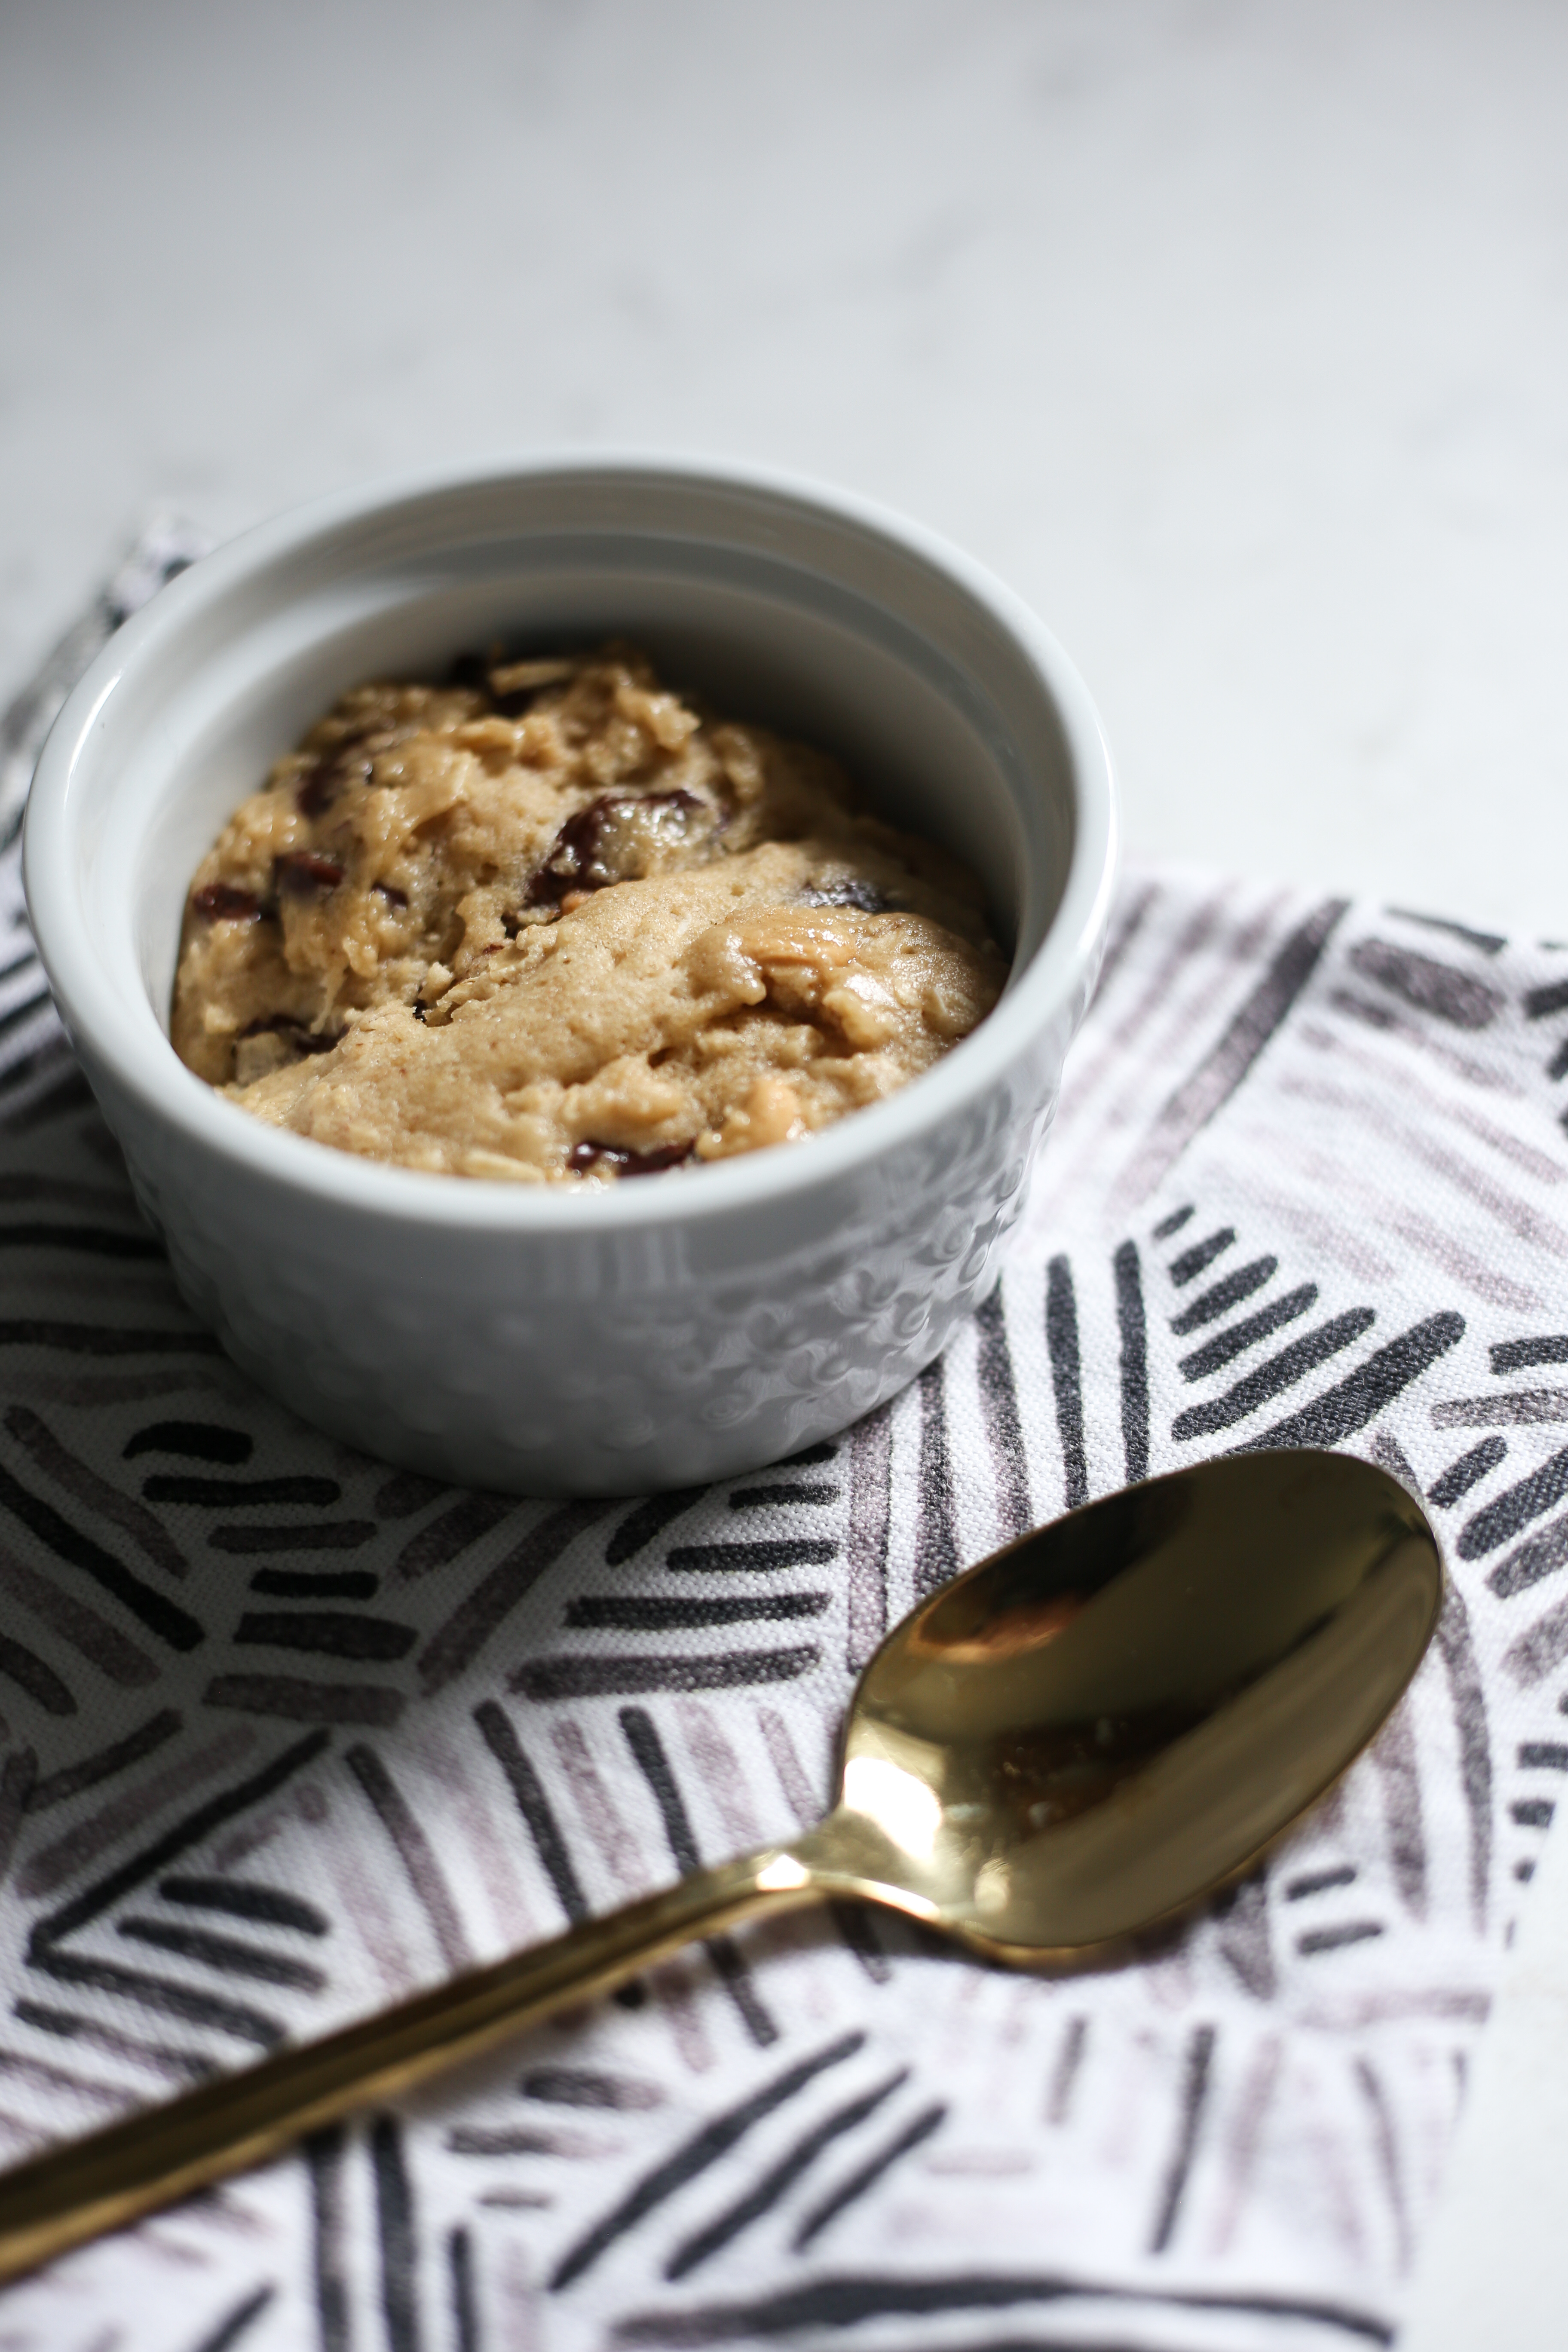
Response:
column 1094, row 1726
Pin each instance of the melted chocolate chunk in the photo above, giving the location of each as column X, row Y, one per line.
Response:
column 304, row 874
column 864, row 897
column 576, row 860
column 284, row 1024
column 609, row 1159
column 221, row 903
column 320, row 789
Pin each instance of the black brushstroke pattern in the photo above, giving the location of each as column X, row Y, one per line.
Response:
column 1210, row 1305
column 752, row 1558
column 454, row 1645
column 396, row 2227
column 1320, row 1881
column 496, row 1730
column 653, row 1762
column 464, row 2302
column 1334, row 1940
column 1340, row 1410
column 324, row 2153
column 660, row 1612
column 310, row 1584
column 1227, row 1345
column 315, row 1535
column 186, row 1832
column 779, row 2178
column 160, row 1615
column 1134, row 1362
column 865, row 2177
column 28, row 1672
column 227, row 1954
column 228, row 2331
column 241, row 1898
column 1196, row 2068
column 849, row 2299
column 162, row 1995
column 936, row 1540
column 327, row 1632
column 443, row 1537
column 93, row 1241
column 69, row 2025
column 646, row 1521
column 202, row 1441
column 1456, row 1648
column 1542, row 1554
column 1514, row 1508
column 762, row 1499
column 103, row 1339
column 696, row 2155
column 1281, row 1371
column 1512, row 1355
column 222, row 1494
column 1455, row 996
column 363, row 1706
column 1005, row 1430
column 413, row 1850
column 1466, row 1472
column 1066, row 1378
column 594, row 1675
column 1201, row 1254
column 105, row 1762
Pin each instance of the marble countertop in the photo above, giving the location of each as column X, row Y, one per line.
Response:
column 1232, row 333
column 1233, row 336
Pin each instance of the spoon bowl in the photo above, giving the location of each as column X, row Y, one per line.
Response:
column 1091, row 1729
column 1122, row 1710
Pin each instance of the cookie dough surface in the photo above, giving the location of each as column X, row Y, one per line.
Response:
column 553, row 923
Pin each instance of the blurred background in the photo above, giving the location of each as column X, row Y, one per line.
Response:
column 1232, row 333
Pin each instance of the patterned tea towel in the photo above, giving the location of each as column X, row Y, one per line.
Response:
column 288, row 1734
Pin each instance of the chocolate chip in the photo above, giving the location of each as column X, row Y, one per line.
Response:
column 285, row 1026
column 609, row 1159
column 304, row 874
column 417, row 1008
column 391, row 893
column 864, row 897
column 575, row 860
column 320, row 789
column 220, row 902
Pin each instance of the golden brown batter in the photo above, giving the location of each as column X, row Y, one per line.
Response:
column 551, row 922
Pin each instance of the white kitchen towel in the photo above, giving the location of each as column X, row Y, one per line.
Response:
column 288, row 1734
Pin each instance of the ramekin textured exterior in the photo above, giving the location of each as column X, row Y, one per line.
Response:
column 547, row 1341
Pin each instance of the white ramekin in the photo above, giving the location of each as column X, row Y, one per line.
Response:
column 666, row 1331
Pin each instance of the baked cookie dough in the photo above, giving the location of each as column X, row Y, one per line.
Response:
column 553, row 923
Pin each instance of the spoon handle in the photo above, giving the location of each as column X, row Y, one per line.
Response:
column 113, row 2178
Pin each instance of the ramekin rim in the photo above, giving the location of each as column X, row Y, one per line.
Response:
column 79, row 972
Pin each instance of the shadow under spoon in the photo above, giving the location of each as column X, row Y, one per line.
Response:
column 1085, row 1733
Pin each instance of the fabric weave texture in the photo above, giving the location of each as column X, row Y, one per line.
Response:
column 288, row 1735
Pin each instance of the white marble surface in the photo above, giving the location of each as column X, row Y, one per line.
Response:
column 1231, row 332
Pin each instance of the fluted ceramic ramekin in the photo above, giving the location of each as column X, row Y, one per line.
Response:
column 657, row 1333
